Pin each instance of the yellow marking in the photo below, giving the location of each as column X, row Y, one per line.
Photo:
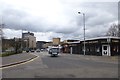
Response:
column 21, row 63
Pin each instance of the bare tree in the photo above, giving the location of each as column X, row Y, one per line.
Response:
column 113, row 30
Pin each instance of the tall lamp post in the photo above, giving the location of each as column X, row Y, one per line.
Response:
column 83, row 28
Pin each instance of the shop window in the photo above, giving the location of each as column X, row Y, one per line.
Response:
column 97, row 49
column 115, row 48
column 82, row 48
column 87, row 49
column 91, row 49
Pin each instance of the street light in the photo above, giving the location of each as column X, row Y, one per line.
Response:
column 83, row 28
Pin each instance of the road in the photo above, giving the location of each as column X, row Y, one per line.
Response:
column 63, row 66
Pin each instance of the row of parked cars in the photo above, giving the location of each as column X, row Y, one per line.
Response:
column 37, row 50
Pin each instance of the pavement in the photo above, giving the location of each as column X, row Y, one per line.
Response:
column 107, row 59
column 16, row 59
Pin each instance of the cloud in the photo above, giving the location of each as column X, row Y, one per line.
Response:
column 58, row 17
column 12, row 33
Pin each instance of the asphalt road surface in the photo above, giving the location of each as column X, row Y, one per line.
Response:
column 63, row 66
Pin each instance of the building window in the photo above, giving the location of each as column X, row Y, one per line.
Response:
column 82, row 48
column 91, row 48
column 115, row 48
column 87, row 49
column 105, row 47
column 97, row 49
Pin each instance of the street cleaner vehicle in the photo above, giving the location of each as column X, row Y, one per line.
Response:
column 54, row 51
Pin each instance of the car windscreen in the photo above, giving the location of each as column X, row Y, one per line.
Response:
column 55, row 50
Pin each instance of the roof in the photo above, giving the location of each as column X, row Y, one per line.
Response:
column 106, row 37
column 73, row 42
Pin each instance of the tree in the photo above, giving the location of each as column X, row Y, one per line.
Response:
column 118, row 30
column 17, row 45
column 114, row 30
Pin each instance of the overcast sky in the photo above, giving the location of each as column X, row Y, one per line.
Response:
column 57, row 18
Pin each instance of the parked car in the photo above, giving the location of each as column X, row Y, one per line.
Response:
column 38, row 50
column 27, row 51
column 32, row 50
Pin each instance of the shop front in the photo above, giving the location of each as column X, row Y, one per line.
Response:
column 103, row 46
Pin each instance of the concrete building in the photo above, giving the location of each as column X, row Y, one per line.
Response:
column 40, row 44
column 56, row 41
column 29, row 39
column 47, row 44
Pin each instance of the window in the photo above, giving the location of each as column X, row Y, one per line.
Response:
column 91, row 48
column 87, row 49
column 105, row 47
column 55, row 49
column 82, row 48
column 115, row 48
column 97, row 49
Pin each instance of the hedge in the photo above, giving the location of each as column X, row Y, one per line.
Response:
column 8, row 53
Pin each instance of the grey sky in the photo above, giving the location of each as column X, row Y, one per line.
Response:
column 57, row 18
